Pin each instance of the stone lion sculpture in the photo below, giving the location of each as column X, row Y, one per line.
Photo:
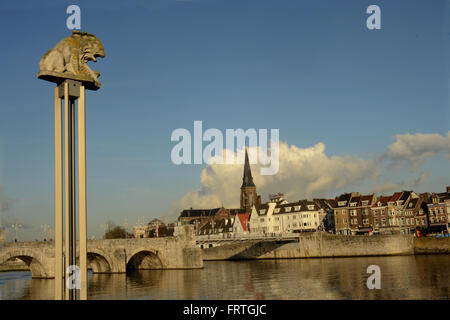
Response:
column 68, row 59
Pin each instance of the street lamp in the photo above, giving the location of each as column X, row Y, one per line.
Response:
column 125, row 225
column 46, row 231
column 105, row 227
column 16, row 227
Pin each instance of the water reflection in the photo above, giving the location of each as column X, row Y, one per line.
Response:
column 407, row 277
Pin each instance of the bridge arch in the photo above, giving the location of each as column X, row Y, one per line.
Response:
column 144, row 259
column 99, row 261
column 35, row 261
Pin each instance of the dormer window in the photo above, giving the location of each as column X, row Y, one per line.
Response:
column 287, row 209
column 379, row 203
column 390, row 203
column 262, row 211
column 310, row 207
column 342, row 203
column 365, row 202
column 276, row 210
column 297, row 208
column 353, row 204
column 410, row 204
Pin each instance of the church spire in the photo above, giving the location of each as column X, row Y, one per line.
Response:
column 247, row 180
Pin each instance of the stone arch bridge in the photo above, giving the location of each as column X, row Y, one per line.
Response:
column 112, row 256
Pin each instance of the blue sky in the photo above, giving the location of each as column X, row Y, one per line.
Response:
column 310, row 68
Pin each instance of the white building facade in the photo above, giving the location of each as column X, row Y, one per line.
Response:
column 281, row 216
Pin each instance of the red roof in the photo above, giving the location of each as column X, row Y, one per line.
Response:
column 383, row 199
column 396, row 196
column 243, row 219
column 367, row 197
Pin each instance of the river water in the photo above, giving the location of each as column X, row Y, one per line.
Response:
column 402, row 277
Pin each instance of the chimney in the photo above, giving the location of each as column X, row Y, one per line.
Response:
column 448, row 189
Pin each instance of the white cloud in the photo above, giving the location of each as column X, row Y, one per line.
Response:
column 415, row 149
column 387, row 186
column 309, row 172
column 420, row 180
column 392, row 186
column 303, row 173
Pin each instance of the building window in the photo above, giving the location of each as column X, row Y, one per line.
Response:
column 366, row 221
column 345, row 220
column 262, row 220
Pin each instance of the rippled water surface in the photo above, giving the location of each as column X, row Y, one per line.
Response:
column 405, row 277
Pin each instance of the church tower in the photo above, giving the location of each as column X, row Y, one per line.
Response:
column 248, row 188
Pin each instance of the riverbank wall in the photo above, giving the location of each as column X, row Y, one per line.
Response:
column 432, row 245
column 327, row 246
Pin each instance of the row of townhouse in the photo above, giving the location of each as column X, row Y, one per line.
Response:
column 404, row 212
column 438, row 210
column 216, row 221
column 280, row 216
column 276, row 216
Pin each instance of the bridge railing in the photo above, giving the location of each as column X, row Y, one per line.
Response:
column 250, row 236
